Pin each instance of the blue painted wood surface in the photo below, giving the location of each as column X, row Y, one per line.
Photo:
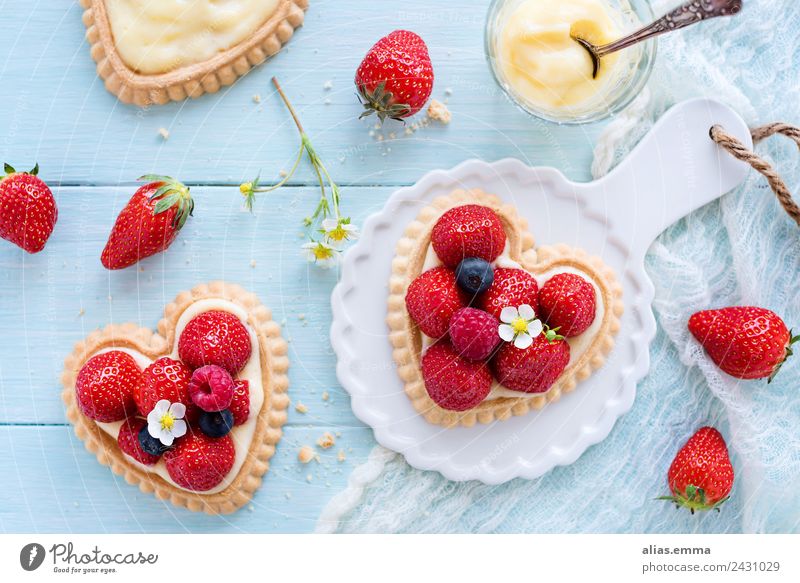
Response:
column 91, row 148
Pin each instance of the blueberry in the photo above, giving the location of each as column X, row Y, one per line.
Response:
column 150, row 444
column 216, row 424
column 474, row 275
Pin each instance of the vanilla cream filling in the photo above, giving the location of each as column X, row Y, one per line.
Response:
column 578, row 345
column 242, row 435
column 156, row 36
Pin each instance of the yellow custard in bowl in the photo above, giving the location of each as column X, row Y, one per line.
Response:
column 536, row 60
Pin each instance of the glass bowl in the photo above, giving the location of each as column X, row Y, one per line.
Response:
column 633, row 68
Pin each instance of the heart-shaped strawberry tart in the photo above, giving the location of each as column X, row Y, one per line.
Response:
column 192, row 413
column 484, row 325
column 151, row 52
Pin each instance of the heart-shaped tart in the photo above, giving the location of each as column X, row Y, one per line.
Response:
column 151, row 52
column 192, row 413
column 483, row 324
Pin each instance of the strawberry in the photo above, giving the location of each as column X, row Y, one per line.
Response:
column 128, row 441
column 701, row 475
column 453, row 382
column 149, row 222
column 165, row 379
column 473, row 333
column 240, row 405
column 215, row 337
column 745, row 342
column 432, row 299
column 511, row 288
column 395, row 79
column 105, row 386
column 198, row 462
column 28, row 211
column 567, row 303
column 465, row 231
column 533, row 369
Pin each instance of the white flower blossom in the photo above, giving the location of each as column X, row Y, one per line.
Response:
column 339, row 231
column 321, row 253
column 165, row 422
column 519, row 326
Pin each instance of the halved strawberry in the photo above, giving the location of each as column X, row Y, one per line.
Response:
column 452, row 382
column 465, row 231
column 432, row 299
column 511, row 288
column 198, row 462
column 105, row 386
column 533, row 369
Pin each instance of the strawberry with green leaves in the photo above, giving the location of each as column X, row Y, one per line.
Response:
column 28, row 211
column 149, row 223
column 395, row 79
column 701, row 475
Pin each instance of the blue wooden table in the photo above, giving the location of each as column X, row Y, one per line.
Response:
column 91, row 148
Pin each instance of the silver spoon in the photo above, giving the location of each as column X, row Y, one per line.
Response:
column 685, row 15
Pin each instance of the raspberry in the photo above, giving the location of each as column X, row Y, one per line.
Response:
column 468, row 231
column 432, row 299
column 211, row 388
column 567, row 303
column 473, row 333
column 453, row 382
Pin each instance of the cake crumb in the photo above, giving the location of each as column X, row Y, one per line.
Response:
column 307, row 454
column 283, row 173
column 327, row 441
column 308, row 478
column 253, row 263
column 448, row 91
column 300, row 408
column 438, row 111
column 328, row 85
column 257, row 98
column 325, row 395
column 81, row 312
column 164, row 133
column 341, row 456
column 301, row 316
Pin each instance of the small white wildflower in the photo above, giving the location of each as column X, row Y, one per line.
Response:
column 519, row 326
column 165, row 422
column 321, row 253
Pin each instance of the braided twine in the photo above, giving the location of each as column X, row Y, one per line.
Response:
column 740, row 152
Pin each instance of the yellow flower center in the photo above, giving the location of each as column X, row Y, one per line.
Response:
column 337, row 234
column 519, row 325
column 321, row 252
column 245, row 187
column 167, row 422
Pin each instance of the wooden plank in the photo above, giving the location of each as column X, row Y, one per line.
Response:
column 55, row 485
column 53, row 299
column 56, row 111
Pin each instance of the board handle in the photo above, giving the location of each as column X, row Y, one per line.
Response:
column 676, row 169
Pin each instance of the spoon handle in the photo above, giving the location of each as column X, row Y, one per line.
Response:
column 685, row 15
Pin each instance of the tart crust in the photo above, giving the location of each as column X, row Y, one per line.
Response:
column 192, row 80
column 274, row 366
column 406, row 338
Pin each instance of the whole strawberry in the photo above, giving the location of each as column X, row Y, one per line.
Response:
column 745, row 342
column 149, row 222
column 395, row 79
column 465, row 231
column 240, row 405
column 28, row 211
column 511, row 288
column 105, row 385
column 567, row 303
column 168, row 379
column 432, row 299
column 215, row 337
column 198, row 462
column 701, row 475
column 452, row 382
column 533, row 369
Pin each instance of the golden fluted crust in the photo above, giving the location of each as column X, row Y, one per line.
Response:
column 274, row 367
column 192, row 80
column 406, row 338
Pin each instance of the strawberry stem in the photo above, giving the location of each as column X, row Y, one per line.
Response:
column 171, row 193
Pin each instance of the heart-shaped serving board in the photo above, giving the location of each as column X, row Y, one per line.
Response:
column 675, row 169
column 192, row 80
column 270, row 349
